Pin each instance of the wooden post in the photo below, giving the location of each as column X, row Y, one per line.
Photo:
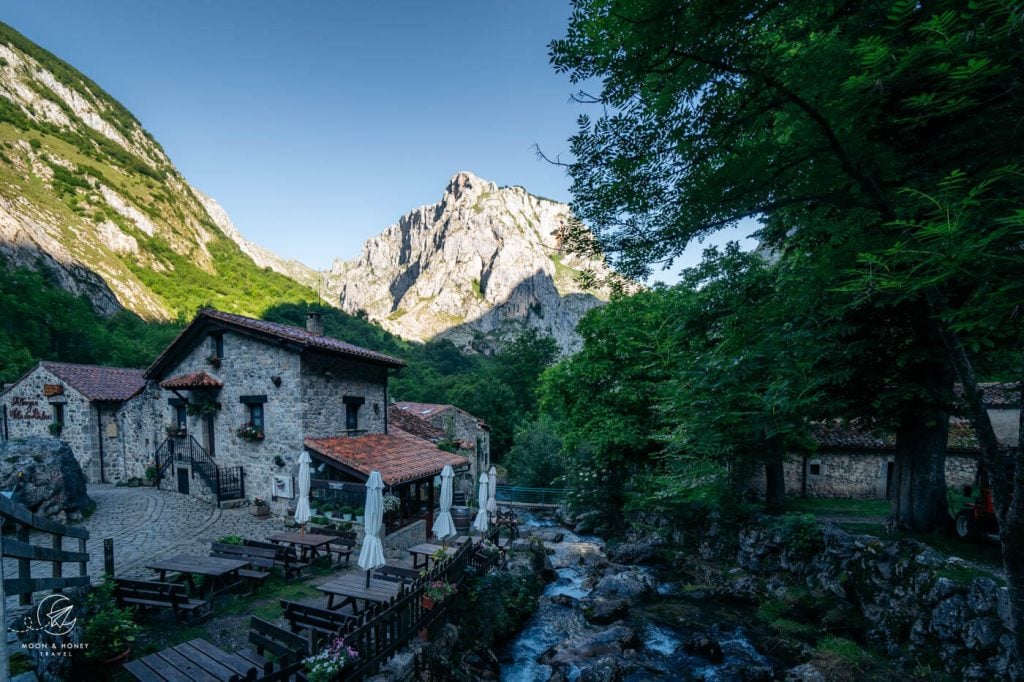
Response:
column 108, row 557
column 58, row 567
column 24, row 568
column 4, row 671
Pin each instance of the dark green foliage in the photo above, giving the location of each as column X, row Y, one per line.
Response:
column 497, row 605
column 535, row 459
column 41, row 321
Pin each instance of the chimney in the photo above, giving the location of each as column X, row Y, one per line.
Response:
column 315, row 324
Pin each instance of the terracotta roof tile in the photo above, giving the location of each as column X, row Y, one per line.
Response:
column 854, row 435
column 398, row 456
column 429, row 410
column 192, row 380
column 99, row 383
column 302, row 336
column 418, row 427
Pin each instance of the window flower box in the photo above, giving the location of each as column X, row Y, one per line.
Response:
column 250, row 432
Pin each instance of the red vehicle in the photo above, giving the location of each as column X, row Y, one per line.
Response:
column 978, row 517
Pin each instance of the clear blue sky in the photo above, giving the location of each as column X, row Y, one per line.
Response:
column 317, row 124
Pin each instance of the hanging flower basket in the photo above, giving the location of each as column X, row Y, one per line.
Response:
column 427, row 602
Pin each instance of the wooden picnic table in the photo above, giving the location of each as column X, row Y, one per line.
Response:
column 196, row 659
column 352, row 588
column 216, row 571
column 310, row 542
column 426, row 550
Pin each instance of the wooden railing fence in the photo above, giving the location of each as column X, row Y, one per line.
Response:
column 19, row 547
column 382, row 630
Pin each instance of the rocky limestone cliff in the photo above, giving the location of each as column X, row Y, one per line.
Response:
column 87, row 195
column 477, row 267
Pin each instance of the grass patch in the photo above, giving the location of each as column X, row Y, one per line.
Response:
column 978, row 552
column 963, row 573
column 838, row 507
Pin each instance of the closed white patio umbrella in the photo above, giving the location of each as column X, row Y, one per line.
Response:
column 302, row 506
column 492, row 499
column 371, row 555
column 444, row 526
column 480, row 523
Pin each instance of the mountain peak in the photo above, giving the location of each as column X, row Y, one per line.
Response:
column 477, row 267
column 466, row 184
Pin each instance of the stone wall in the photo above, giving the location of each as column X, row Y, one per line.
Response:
column 30, row 413
column 326, row 381
column 142, row 422
column 465, row 427
column 408, row 536
column 247, row 368
column 856, row 474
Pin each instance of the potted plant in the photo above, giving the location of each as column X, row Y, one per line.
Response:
column 213, row 360
column 359, row 517
column 391, row 503
column 56, row 428
column 249, row 432
column 109, row 630
column 328, row 665
column 327, row 509
column 150, row 474
column 259, row 507
column 436, row 592
column 174, row 430
column 348, row 513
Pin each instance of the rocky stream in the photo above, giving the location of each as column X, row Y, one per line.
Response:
column 600, row 620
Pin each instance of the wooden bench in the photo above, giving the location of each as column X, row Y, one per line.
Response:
column 341, row 547
column 397, row 574
column 286, row 648
column 284, row 556
column 146, row 594
column 315, row 621
column 260, row 560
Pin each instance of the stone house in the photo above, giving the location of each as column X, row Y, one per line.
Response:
column 228, row 405
column 80, row 405
column 857, row 462
column 470, row 434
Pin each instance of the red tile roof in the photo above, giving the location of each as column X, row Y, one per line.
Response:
column 398, row 456
column 99, row 383
column 302, row 336
column 410, row 423
column 423, row 410
column 297, row 336
column 192, row 380
column 855, row 435
column 429, row 410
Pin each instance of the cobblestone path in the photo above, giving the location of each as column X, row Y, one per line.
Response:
column 148, row 524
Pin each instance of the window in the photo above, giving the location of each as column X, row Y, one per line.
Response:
column 58, row 413
column 256, row 415
column 815, row 469
column 218, row 345
column 352, row 405
column 181, row 416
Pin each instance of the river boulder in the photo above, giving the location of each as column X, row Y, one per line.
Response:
column 608, row 642
column 625, row 583
column 45, row 477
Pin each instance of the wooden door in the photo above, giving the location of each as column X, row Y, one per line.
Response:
column 183, row 480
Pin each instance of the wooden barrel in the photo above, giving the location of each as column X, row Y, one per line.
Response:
column 462, row 518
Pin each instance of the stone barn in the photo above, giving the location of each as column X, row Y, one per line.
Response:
column 78, row 404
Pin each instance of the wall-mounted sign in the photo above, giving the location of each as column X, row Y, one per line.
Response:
column 283, row 487
column 50, row 390
column 22, row 408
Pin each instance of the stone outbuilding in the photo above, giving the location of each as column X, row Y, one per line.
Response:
column 469, row 434
column 78, row 404
column 859, row 462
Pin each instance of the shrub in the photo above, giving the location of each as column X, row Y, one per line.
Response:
column 231, row 540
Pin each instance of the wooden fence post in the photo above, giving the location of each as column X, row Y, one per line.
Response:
column 108, row 556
